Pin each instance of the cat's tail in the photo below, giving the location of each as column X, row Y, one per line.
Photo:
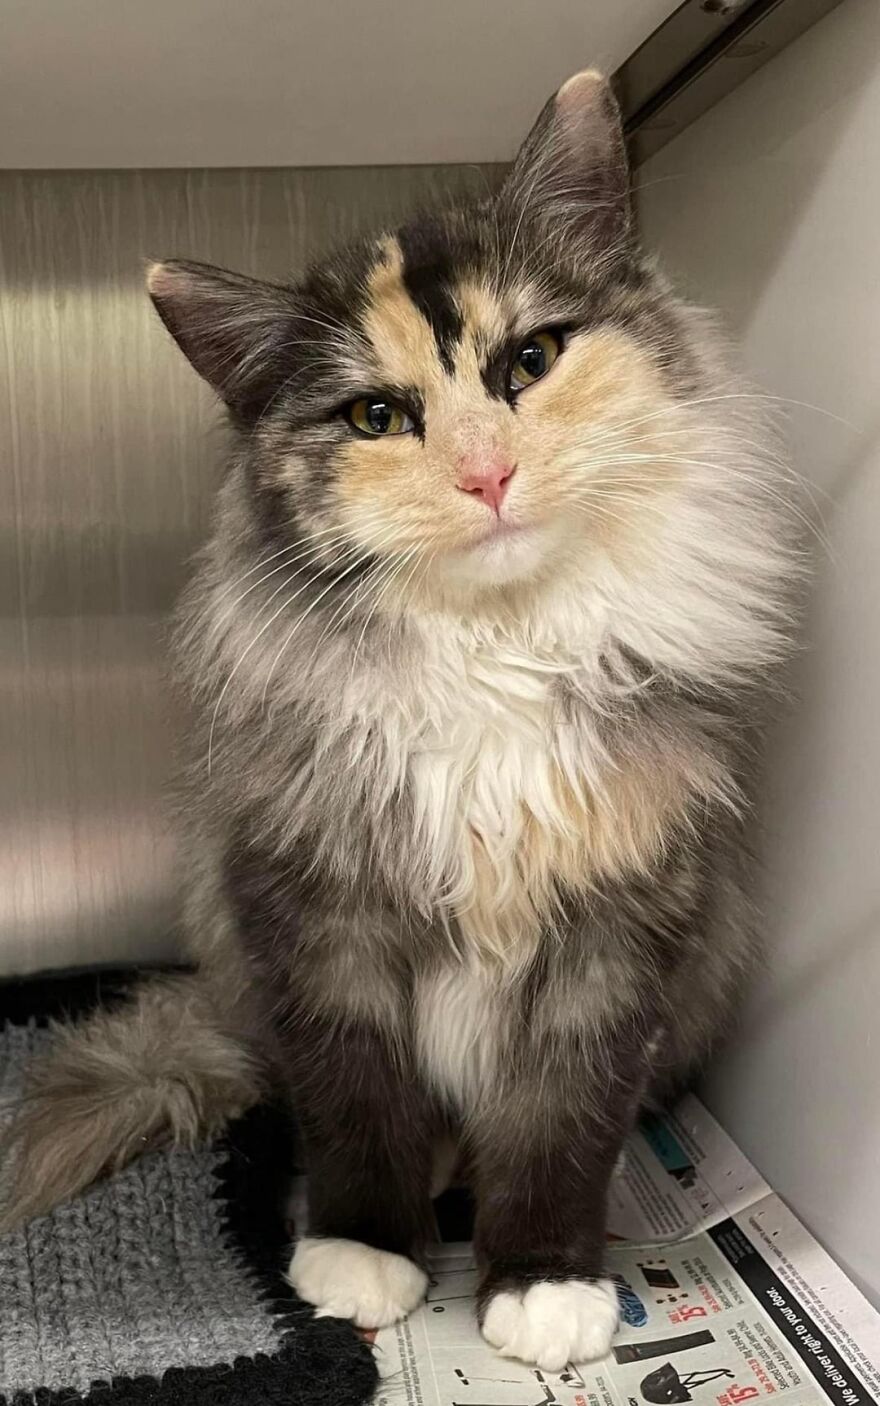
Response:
column 164, row 1067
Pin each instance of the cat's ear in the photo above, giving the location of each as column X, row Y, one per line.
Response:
column 571, row 171
column 232, row 329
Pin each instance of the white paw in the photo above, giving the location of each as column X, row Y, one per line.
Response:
column 552, row 1324
column 345, row 1279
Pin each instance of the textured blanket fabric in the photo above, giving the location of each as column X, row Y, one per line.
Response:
column 164, row 1283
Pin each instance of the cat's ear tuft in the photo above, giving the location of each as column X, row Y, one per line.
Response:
column 231, row 328
column 572, row 170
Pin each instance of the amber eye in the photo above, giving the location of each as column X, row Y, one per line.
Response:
column 376, row 415
column 534, row 359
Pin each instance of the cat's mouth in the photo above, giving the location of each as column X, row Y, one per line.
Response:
column 500, row 529
column 507, row 550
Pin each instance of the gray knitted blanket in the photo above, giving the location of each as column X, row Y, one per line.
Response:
column 163, row 1284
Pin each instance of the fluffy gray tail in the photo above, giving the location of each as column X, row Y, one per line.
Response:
column 161, row 1068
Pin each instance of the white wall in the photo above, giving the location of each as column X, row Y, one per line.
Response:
column 182, row 83
column 769, row 208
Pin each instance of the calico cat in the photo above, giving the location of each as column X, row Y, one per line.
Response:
column 497, row 584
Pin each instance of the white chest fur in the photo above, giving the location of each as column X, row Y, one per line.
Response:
column 516, row 796
column 483, row 779
column 485, row 775
column 459, row 1028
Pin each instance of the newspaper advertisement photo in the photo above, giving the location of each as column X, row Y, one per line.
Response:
column 724, row 1299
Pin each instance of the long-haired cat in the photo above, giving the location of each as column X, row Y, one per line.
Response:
column 497, row 581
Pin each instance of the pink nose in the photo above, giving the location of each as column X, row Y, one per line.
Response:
column 487, row 479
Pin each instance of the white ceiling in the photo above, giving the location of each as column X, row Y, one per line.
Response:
column 128, row 83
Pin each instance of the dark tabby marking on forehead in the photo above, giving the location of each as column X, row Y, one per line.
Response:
column 428, row 276
column 475, row 709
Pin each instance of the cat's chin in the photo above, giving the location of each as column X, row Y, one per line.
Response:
column 502, row 557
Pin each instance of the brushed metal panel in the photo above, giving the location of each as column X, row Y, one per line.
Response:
column 110, row 449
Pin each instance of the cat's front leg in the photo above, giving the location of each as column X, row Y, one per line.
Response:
column 367, row 1133
column 366, row 1125
column 545, row 1155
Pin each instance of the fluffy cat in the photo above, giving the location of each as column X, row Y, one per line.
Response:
column 479, row 646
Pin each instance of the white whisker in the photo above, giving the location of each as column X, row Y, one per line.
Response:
column 246, row 651
column 312, row 553
column 350, row 598
column 362, row 557
column 313, row 546
column 380, row 588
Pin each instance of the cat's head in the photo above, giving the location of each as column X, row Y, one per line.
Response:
column 473, row 399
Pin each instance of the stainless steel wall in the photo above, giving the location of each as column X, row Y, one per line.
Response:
column 110, row 449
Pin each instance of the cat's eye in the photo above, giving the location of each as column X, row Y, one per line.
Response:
column 534, row 359
column 376, row 415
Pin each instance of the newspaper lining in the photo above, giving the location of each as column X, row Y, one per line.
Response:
column 725, row 1299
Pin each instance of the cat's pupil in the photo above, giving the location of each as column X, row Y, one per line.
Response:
column 533, row 360
column 379, row 416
